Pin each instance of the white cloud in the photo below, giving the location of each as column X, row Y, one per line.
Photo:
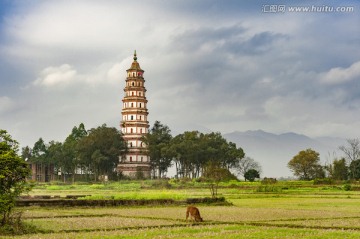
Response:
column 340, row 75
column 221, row 66
column 55, row 76
column 85, row 32
column 6, row 104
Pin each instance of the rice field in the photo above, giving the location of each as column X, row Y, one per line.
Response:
column 270, row 216
column 303, row 214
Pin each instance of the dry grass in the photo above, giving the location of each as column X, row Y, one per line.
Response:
column 330, row 223
column 96, row 223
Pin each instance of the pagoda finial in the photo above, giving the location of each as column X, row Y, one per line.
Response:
column 135, row 58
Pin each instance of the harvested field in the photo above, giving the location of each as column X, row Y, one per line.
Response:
column 307, row 214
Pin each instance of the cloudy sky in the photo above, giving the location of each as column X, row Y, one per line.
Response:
column 209, row 65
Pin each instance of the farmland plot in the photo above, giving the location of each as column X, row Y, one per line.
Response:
column 315, row 213
column 265, row 217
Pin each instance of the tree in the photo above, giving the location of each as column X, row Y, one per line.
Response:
column 219, row 150
column 55, row 155
column 251, row 174
column 352, row 153
column 13, row 174
column 192, row 151
column 245, row 164
column 157, row 140
column 339, row 169
column 305, row 165
column 26, row 153
column 185, row 151
column 214, row 174
column 39, row 152
column 70, row 161
column 100, row 150
column 355, row 169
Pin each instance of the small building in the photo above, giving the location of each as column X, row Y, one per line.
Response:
column 42, row 172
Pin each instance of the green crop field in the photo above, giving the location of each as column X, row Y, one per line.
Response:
column 295, row 211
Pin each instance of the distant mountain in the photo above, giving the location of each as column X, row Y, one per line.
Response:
column 274, row 151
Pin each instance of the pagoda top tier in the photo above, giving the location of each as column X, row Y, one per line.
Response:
column 135, row 65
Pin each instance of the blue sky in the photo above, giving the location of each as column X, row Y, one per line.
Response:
column 209, row 65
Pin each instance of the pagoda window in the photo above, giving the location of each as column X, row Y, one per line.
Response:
column 132, row 117
column 132, row 104
column 140, row 105
column 141, row 130
column 130, row 159
column 132, row 93
column 131, row 130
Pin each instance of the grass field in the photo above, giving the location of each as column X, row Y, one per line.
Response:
column 302, row 212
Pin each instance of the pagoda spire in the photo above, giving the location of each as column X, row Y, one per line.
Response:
column 135, row 58
column 135, row 65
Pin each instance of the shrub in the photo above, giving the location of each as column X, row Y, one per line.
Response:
column 15, row 226
column 323, row 181
column 347, row 187
column 268, row 188
column 269, row 181
column 160, row 184
column 97, row 186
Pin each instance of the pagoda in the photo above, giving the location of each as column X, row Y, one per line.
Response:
column 134, row 124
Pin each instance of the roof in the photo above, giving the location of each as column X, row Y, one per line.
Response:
column 135, row 65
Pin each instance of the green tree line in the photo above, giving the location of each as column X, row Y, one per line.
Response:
column 89, row 153
column 190, row 152
column 306, row 164
column 95, row 152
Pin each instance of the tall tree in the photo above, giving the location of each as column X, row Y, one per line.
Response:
column 70, row 161
column 157, row 141
column 55, row 155
column 39, row 152
column 305, row 165
column 233, row 155
column 26, row 153
column 193, row 151
column 352, row 153
column 355, row 169
column 100, row 150
column 339, row 170
column 185, row 151
column 13, row 173
column 40, row 157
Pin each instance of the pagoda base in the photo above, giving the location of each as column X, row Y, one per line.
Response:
column 134, row 170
